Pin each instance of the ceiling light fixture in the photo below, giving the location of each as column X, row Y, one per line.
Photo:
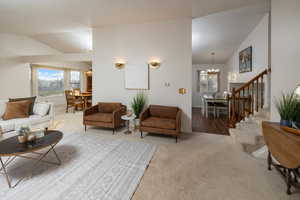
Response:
column 212, row 70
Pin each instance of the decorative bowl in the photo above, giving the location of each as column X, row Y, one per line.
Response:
column 129, row 114
column 31, row 138
column 22, row 139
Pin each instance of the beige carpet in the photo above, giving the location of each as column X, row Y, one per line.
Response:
column 199, row 167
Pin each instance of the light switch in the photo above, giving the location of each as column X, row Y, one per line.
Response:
column 167, row 84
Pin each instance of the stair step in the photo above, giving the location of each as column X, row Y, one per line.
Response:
column 261, row 153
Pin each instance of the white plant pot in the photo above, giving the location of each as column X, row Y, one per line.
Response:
column 136, row 123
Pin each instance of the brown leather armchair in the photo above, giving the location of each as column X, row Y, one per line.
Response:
column 105, row 114
column 161, row 119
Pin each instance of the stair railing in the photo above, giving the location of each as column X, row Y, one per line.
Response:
column 247, row 99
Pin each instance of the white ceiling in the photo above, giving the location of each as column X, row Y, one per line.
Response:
column 68, row 42
column 66, row 24
column 223, row 32
column 53, row 16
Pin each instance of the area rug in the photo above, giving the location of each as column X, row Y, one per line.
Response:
column 93, row 167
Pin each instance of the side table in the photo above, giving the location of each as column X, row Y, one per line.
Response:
column 128, row 119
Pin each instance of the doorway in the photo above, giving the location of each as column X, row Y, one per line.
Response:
column 210, row 105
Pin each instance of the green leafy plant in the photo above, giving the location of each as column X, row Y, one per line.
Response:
column 297, row 117
column 24, row 130
column 138, row 103
column 288, row 107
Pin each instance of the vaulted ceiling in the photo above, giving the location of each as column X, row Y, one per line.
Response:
column 223, row 32
column 66, row 24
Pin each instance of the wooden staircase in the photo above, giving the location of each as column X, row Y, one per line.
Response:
column 247, row 99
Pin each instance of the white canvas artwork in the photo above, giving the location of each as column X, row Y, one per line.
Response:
column 137, row 77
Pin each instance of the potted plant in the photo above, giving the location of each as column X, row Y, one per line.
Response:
column 296, row 121
column 23, row 134
column 287, row 107
column 138, row 103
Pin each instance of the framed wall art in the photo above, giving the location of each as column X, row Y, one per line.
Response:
column 245, row 60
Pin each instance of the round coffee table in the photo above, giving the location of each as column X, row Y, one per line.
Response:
column 128, row 119
column 11, row 148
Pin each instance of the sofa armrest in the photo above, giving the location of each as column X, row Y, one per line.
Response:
column 51, row 112
column 90, row 110
column 144, row 115
column 117, row 114
column 178, row 121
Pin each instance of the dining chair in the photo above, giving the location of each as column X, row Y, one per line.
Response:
column 76, row 91
column 208, row 107
column 72, row 101
column 221, row 107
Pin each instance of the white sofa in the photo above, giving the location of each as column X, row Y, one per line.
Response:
column 42, row 117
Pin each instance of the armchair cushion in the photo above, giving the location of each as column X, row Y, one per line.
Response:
column 163, row 111
column 108, row 107
column 157, row 122
column 99, row 117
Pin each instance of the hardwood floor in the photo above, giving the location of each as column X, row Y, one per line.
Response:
column 209, row 125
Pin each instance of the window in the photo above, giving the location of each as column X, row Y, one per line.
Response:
column 50, row 82
column 208, row 82
column 74, row 79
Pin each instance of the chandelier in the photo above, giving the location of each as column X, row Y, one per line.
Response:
column 212, row 70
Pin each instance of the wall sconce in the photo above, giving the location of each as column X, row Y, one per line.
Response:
column 154, row 64
column 182, row 91
column 89, row 73
column 120, row 64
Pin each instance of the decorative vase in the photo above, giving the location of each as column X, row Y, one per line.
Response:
column 287, row 123
column 137, row 123
column 22, row 139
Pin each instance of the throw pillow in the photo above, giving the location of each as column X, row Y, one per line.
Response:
column 18, row 109
column 2, row 107
column 41, row 109
column 31, row 99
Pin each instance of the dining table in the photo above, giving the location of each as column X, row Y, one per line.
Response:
column 213, row 101
column 85, row 97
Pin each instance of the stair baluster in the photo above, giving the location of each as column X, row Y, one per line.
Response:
column 242, row 104
column 262, row 93
column 257, row 95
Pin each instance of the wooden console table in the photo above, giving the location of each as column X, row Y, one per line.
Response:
column 285, row 148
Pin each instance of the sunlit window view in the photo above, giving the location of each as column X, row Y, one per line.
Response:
column 74, row 79
column 208, row 82
column 50, row 82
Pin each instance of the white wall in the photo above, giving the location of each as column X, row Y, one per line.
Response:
column 258, row 39
column 168, row 41
column 285, row 74
column 14, row 79
column 223, row 81
column 15, row 74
